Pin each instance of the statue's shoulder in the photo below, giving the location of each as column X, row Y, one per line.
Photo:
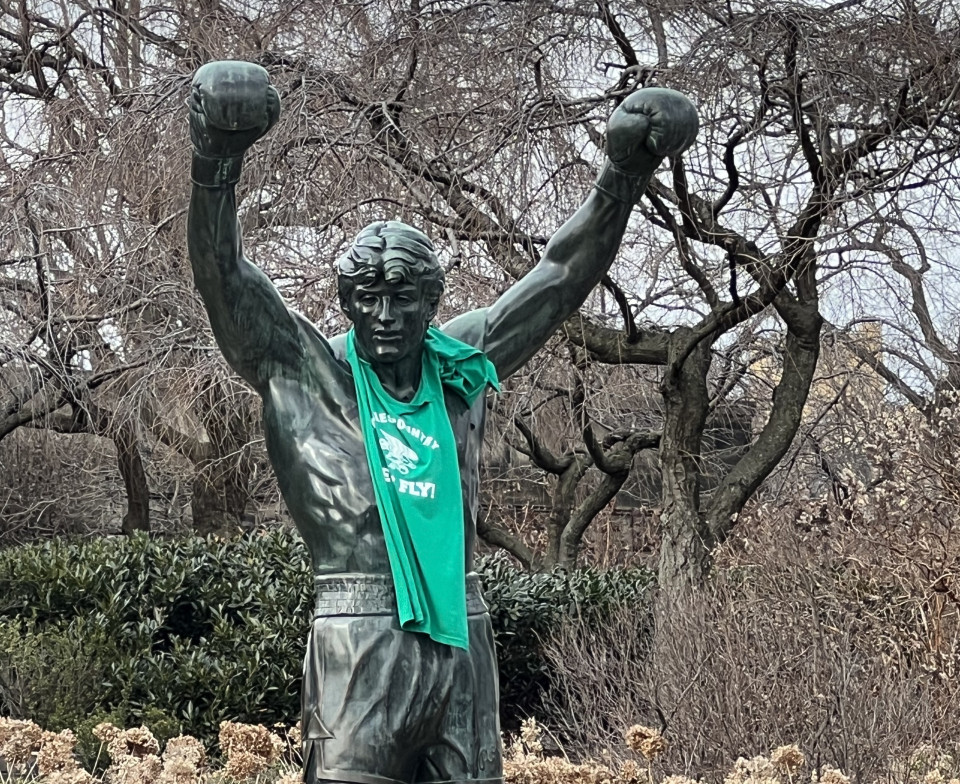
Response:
column 326, row 351
column 469, row 327
column 338, row 346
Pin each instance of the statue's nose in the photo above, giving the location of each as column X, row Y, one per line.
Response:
column 386, row 311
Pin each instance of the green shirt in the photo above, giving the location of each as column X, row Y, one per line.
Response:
column 413, row 463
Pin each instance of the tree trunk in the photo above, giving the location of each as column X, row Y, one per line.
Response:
column 581, row 518
column 801, row 352
column 215, row 504
column 564, row 499
column 685, row 539
column 89, row 417
column 137, row 517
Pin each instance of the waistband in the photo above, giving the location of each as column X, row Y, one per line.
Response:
column 373, row 594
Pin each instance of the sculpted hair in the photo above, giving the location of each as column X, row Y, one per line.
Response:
column 394, row 251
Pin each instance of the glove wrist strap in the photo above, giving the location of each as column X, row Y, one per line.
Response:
column 619, row 185
column 208, row 172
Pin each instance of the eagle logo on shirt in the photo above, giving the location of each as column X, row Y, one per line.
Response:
column 400, row 458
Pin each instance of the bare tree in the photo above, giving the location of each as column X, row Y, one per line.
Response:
column 91, row 282
column 825, row 130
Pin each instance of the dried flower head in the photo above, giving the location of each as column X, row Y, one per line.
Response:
column 105, row 732
column 253, row 739
column 19, row 739
column 295, row 735
column 75, row 775
column 631, row 773
column 135, row 770
column 291, row 777
column 243, row 765
column 645, row 741
column 56, row 752
column 757, row 770
column 179, row 771
column 137, row 742
column 831, row 775
column 530, row 734
column 788, row 758
column 183, row 760
column 186, row 748
column 522, row 768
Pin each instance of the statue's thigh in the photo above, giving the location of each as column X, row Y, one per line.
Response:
column 467, row 747
column 366, row 698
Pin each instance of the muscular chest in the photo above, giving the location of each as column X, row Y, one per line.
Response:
column 317, row 447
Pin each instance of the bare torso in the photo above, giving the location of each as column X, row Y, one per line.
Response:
column 315, row 443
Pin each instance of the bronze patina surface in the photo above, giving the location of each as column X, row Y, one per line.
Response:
column 382, row 705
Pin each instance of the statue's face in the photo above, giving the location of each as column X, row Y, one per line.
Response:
column 390, row 319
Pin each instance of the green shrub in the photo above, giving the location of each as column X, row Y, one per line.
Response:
column 53, row 672
column 200, row 630
column 181, row 634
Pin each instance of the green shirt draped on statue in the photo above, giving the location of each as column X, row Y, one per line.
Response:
column 416, row 478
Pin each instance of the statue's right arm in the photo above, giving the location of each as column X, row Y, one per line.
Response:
column 231, row 106
column 256, row 332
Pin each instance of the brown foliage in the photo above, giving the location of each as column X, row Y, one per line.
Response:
column 816, row 628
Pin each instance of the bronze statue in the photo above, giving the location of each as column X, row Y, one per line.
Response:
column 382, row 704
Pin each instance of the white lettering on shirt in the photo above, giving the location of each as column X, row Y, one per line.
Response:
column 417, row 489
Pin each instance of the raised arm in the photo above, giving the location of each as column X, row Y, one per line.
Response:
column 231, row 106
column 648, row 126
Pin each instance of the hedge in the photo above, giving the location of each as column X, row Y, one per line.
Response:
column 182, row 634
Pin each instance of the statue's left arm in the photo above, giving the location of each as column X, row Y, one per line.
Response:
column 648, row 126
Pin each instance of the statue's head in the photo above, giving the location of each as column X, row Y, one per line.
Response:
column 390, row 282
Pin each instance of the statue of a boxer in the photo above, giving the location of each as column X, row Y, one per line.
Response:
column 400, row 681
